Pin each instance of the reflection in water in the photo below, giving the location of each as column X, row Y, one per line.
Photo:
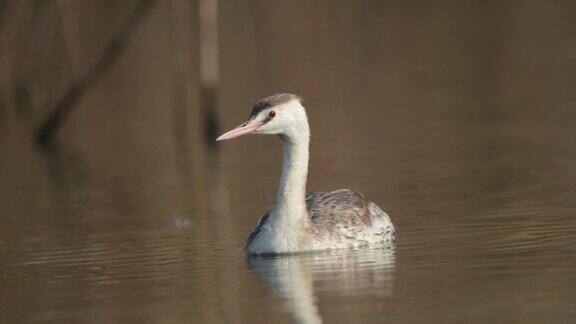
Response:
column 68, row 176
column 298, row 279
column 451, row 129
column 209, row 70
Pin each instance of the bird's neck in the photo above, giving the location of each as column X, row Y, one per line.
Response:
column 291, row 197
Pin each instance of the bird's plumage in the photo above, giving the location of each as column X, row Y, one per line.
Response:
column 338, row 219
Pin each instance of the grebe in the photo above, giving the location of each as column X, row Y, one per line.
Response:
column 299, row 222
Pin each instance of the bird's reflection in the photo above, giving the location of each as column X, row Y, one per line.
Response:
column 298, row 279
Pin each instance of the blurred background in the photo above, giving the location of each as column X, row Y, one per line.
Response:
column 457, row 117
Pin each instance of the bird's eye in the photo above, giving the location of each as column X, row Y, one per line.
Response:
column 271, row 114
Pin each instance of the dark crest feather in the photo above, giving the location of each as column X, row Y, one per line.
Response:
column 274, row 100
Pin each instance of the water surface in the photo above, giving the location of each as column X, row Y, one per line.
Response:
column 458, row 120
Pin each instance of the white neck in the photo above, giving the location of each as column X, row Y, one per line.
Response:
column 291, row 197
column 287, row 226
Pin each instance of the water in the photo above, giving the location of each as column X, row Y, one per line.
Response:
column 457, row 120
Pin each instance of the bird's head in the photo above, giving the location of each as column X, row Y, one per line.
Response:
column 280, row 114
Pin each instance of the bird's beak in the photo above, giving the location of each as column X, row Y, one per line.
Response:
column 243, row 129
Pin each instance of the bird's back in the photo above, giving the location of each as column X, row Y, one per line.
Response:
column 344, row 218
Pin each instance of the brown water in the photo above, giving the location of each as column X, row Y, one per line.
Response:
column 458, row 120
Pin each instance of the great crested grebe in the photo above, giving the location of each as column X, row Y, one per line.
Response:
column 299, row 222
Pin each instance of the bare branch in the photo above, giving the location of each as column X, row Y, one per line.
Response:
column 62, row 108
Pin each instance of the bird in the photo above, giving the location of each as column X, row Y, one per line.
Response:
column 299, row 221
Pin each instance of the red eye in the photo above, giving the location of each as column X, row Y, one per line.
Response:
column 271, row 114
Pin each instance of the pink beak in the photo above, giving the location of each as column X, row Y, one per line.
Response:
column 241, row 130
